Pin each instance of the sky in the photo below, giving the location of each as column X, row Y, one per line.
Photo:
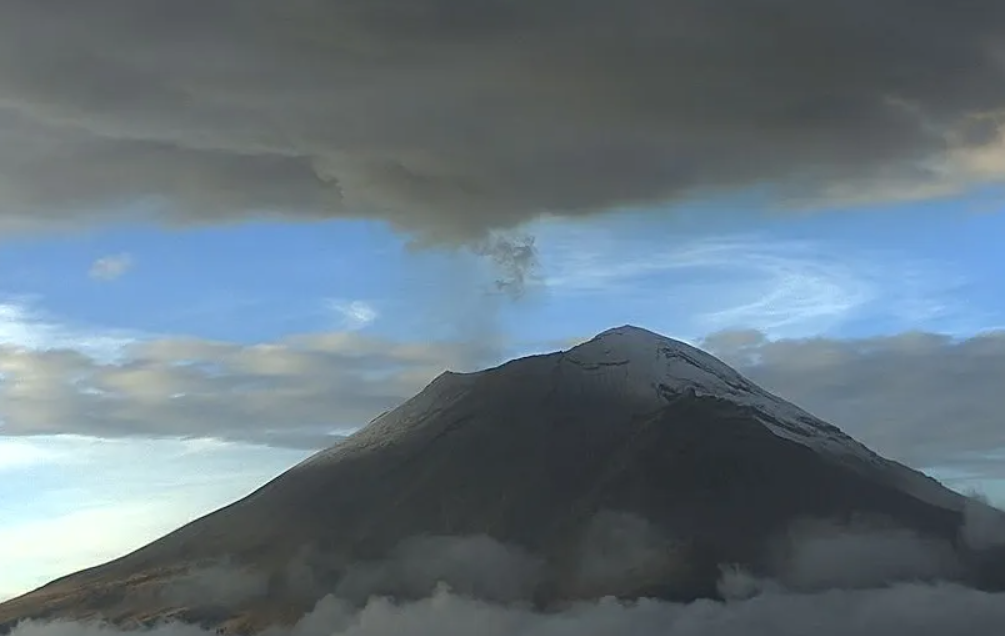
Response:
column 292, row 312
column 252, row 238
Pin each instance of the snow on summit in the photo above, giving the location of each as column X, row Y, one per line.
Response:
column 625, row 371
column 647, row 358
column 639, row 364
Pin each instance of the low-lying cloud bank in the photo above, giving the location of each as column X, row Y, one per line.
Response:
column 835, row 581
column 906, row 609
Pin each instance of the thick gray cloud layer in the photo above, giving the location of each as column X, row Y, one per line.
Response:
column 920, row 398
column 903, row 610
column 858, row 601
column 453, row 116
column 288, row 393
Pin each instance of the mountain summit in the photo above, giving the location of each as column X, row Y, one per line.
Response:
column 630, row 369
column 632, row 465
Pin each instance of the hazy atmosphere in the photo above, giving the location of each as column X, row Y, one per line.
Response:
column 233, row 232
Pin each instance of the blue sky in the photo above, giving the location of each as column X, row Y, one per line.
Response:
column 842, row 273
column 838, row 275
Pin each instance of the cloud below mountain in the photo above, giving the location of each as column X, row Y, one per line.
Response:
column 905, row 610
column 839, row 594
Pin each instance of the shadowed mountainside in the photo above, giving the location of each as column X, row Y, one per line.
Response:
column 633, row 438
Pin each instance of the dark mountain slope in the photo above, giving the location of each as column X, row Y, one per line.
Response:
column 630, row 428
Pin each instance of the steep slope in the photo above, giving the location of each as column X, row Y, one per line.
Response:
column 532, row 454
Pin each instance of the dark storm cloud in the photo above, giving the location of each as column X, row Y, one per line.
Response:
column 449, row 117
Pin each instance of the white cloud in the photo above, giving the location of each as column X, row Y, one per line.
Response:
column 111, row 267
column 24, row 326
column 925, row 398
column 291, row 392
column 355, row 314
column 786, row 288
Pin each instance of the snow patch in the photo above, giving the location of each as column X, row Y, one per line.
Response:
column 640, row 364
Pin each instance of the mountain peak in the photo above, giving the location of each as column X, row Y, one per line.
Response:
column 631, row 331
column 639, row 371
column 633, row 337
column 655, row 360
column 648, row 369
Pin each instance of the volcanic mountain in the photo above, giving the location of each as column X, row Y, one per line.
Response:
column 630, row 441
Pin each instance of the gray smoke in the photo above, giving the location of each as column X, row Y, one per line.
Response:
column 514, row 258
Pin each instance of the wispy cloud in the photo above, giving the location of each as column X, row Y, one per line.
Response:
column 111, row 267
column 787, row 288
column 23, row 325
column 355, row 314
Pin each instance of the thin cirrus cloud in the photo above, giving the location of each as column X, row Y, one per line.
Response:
column 785, row 288
column 108, row 268
column 23, row 325
column 355, row 314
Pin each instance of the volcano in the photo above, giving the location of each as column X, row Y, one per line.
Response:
column 630, row 441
